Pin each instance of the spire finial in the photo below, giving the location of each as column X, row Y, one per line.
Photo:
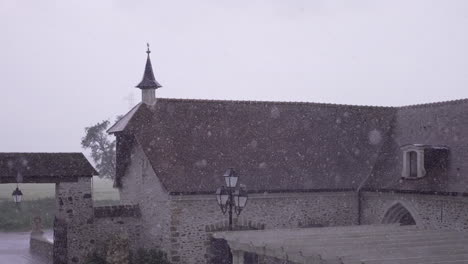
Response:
column 148, row 51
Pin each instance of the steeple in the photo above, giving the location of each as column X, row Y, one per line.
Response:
column 148, row 84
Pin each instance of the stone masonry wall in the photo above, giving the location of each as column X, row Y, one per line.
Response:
column 431, row 211
column 75, row 209
column 112, row 221
column 193, row 216
column 141, row 186
column 41, row 247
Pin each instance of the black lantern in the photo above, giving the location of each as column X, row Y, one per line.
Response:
column 222, row 195
column 240, row 200
column 229, row 198
column 17, row 195
column 230, row 176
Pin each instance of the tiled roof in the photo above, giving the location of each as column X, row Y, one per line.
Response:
column 45, row 164
column 445, row 124
column 273, row 145
column 297, row 145
column 123, row 122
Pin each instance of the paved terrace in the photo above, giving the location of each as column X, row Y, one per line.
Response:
column 382, row 244
column 14, row 249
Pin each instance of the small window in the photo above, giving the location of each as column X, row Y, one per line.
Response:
column 418, row 160
column 413, row 164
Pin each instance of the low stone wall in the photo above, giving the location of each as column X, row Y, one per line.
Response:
column 41, row 247
column 429, row 211
column 194, row 218
column 110, row 222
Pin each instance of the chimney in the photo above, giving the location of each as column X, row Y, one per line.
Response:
column 148, row 84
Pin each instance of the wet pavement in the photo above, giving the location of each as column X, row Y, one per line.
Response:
column 14, row 249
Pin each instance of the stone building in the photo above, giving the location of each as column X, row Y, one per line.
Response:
column 304, row 164
column 80, row 228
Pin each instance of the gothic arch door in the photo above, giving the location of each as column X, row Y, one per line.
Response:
column 398, row 214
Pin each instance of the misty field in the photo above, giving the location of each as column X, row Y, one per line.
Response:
column 39, row 200
column 102, row 190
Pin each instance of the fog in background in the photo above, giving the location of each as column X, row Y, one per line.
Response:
column 66, row 65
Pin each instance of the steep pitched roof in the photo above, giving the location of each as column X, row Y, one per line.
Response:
column 275, row 146
column 31, row 165
column 444, row 124
column 148, row 81
column 123, row 122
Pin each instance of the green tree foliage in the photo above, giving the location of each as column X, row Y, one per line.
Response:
column 102, row 147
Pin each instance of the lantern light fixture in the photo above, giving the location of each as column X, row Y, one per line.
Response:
column 17, row 195
column 230, row 176
column 231, row 199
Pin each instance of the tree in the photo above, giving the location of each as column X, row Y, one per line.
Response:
column 102, row 147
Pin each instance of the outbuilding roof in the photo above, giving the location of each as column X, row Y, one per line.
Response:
column 28, row 166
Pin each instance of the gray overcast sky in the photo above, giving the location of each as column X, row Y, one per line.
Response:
column 68, row 64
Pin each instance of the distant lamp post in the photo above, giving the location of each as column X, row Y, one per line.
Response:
column 17, row 195
column 229, row 198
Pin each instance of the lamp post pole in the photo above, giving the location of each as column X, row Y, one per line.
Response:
column 230, row 209
column 230, row 198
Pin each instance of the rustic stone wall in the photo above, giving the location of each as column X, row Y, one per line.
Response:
column 431, row 211
column 112, row 221
column 75, row 213
column 141, row 186
column 41, row 247
column 193, row 217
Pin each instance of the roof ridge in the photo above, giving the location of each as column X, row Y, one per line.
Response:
column 274, row 102
column 433, row 104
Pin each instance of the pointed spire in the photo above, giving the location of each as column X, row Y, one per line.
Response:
column 148, row 81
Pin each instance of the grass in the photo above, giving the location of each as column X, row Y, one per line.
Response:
column 14, row 218
column 19, row 218
column 38, row 199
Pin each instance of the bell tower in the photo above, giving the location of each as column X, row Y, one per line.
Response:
column 148, row 84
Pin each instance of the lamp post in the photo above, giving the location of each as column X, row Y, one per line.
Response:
column 231, row 199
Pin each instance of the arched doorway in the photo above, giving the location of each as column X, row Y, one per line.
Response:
column 398, row 214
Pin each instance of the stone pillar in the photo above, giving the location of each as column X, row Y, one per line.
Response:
column 74, row 221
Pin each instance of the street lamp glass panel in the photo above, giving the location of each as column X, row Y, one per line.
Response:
column 240, row 198
column 218, row 196
column 224, row 199
column 230, row 176
column 17, row 195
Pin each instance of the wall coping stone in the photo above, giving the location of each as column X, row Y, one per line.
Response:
column 117, row 211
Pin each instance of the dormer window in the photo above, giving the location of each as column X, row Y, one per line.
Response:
column 413, row 164
column 418, row 159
